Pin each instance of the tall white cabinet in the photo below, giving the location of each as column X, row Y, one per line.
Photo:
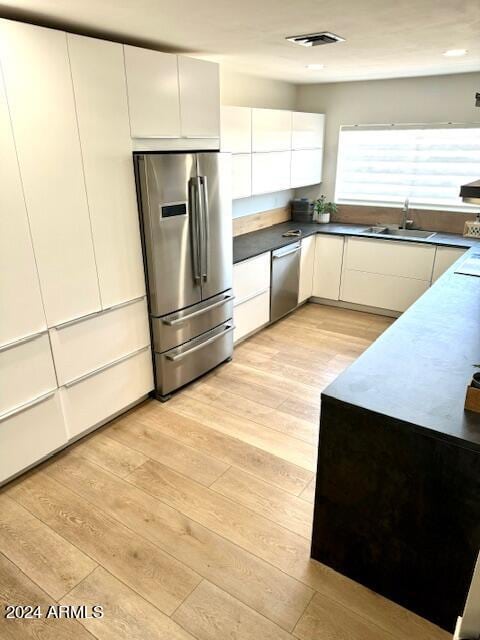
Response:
column 42, row 109
column 20, row 298
column 101, row 101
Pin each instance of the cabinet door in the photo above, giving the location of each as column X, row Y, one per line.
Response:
column 306, row 167
column 251, row 315
column 405, row 259
column 271, row 130
column 199, row 98
column 101, row 100
column 153, row 100
column 236, row 129
column 382, row 291
column 307, row 130
column 328, row 267
column 444, row 258
column 270, row 171
column 39, row 91
column 20, row 300
column 241, row 175
column 307, row 262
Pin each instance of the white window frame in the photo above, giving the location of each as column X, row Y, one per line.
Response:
column 461, row 207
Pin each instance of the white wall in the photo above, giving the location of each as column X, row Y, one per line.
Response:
column 243, row 90
column 407, row 100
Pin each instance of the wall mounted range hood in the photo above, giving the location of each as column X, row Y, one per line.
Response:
column 471, row 192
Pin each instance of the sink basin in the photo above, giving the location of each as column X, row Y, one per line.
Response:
column 400, row 233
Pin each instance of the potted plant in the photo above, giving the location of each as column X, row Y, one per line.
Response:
column 324, row 209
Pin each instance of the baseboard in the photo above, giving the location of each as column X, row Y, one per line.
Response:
column 355, row 307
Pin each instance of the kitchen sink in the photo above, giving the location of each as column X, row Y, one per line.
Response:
column 400, row 233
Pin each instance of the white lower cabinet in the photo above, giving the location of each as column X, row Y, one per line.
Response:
column 306, row 167
column 26, row 372
column 327, row 271
column 30, row 433
column 241, row 175
column 83, row 346
column 393, row 293
column 91, row 400
column 270, row 171
column 251, row 314
column 307, row 263
column 444, row 258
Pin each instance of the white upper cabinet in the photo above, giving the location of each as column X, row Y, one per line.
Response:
column 153, row 98
column 199, row 82
column 102, row 111
column 236, row 129
column 40, row 95
column 307, row 130
column 270, row 171
column 306, row 167
column 271, row 130
column 20, row 300
column 241, row 175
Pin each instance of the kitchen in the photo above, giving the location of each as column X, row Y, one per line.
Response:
column 140, row 264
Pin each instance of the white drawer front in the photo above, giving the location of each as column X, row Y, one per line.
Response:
column 251, row 277
column 241, row 175
column 30, row 434
column 94, row 399
column 385, row 292
column 251, row 315
column 407, row 259
column 82, row 347
column 306, row 167
column 270, row 171
column 26, row 372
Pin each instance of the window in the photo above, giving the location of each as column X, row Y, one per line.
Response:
column 425, row 163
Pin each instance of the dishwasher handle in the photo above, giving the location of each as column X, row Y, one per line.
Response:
column 276, row 254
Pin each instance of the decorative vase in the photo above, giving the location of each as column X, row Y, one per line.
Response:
column 323, row 218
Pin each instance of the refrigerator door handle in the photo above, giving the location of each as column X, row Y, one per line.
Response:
column 206, row 228
column 194, row 228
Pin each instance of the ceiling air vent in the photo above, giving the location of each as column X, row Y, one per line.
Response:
column 315, row 39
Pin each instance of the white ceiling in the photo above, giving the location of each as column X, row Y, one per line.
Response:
column 384, row 38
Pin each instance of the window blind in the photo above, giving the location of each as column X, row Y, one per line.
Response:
column 427, row 165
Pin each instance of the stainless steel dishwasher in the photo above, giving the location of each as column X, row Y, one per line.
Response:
column 285, row 275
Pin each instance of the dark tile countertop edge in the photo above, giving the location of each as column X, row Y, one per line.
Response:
column 418, row 370
column 253, row 244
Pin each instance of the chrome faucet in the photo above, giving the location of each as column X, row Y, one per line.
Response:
column 405, row 211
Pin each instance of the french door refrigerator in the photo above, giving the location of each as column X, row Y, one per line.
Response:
column 186, row 221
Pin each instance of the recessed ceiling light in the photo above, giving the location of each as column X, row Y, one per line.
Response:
column 315, row 67
column 455, row 53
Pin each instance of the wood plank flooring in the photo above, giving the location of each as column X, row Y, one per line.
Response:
column 191, row 520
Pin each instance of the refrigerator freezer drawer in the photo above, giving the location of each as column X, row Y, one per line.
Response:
column 180, row 327
column 183, row 364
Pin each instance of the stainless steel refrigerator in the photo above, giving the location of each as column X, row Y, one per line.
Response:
column 185, row 211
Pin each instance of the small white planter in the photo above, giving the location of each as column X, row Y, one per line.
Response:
column 322, row 218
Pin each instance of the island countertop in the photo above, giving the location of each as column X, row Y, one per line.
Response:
column 418, row 370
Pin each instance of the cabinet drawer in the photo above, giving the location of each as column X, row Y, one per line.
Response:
column 236, row 129
column 382, row 291
column 95, row 398
column 306, row 167
column 307, row 130
column 387, row 257
column 91, row 343
column 251, row 314
column 270, row 171
column 444, row 258
column 26, row 372
column 30, row 433
column 271, row 130
column 250, row 277
column 241, row 175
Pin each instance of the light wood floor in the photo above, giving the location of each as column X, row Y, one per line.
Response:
column 191, row 520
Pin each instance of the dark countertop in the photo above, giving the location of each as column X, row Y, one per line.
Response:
column 418, row 370
column 257, row 242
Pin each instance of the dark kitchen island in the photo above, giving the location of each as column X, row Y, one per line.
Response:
column 397, row 504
